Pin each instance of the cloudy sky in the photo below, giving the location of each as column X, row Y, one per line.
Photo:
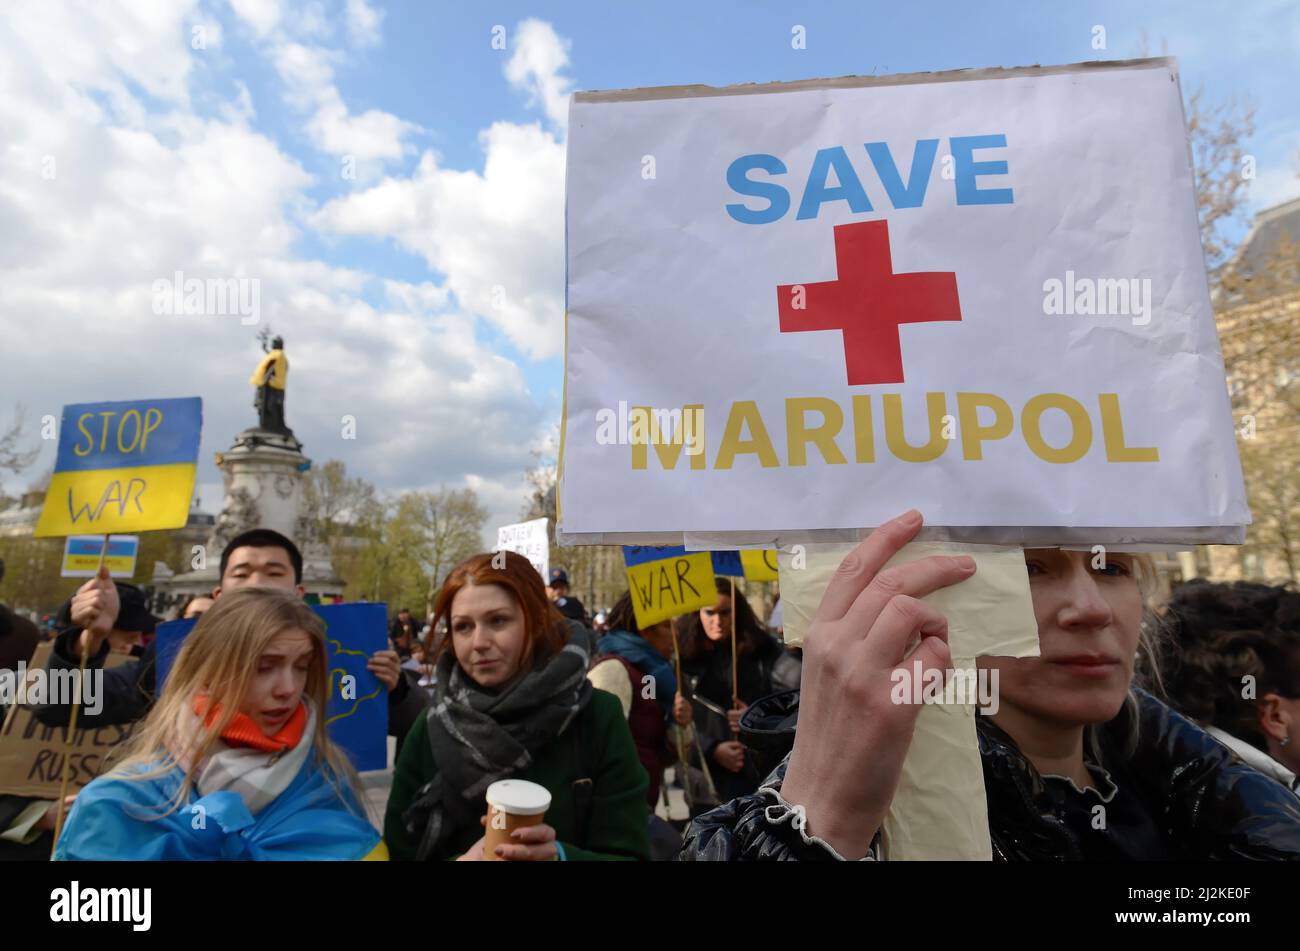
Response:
column 394, row 181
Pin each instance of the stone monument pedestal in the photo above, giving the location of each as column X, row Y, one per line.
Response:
column 264, row 489
column 263, row 473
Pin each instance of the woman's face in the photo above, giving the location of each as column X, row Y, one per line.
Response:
column 281, row 677
column 1088, row 624
column 717, row 619
column 487, row 633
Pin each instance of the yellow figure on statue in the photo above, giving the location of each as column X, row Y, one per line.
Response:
column 270, row 378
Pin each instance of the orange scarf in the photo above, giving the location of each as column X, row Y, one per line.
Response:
column 242, row 731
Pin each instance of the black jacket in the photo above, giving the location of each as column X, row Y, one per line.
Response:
column 396, row 631
column 760, row 671
column 130, row 688
column 1179, row 795
column 572, row 608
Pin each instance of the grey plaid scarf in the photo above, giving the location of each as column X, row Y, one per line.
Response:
column 256, row 776
column 479, row 736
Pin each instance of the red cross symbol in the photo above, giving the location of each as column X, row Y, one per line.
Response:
column 868, row 302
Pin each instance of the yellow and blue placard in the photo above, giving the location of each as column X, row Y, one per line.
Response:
column 667, row 581
column 357, row 712
column 81, row 556
column 123, row 467
column 750, row 564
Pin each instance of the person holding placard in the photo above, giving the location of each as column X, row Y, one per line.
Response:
column 719, row 699
column 234, row 761
column 513, row 701
column 27, row 823
column 636, row 665
column 1078, row 764
column 260, row 556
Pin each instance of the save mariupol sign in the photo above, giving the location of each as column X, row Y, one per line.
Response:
column 123, row 467
column 814, row 305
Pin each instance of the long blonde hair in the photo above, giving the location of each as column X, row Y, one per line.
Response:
column 219, row 660
column 1146, row 671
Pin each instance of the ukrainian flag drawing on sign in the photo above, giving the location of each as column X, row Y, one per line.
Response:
column 666, row 582
column 758, row 564
column 81, row 556
column 123, row 467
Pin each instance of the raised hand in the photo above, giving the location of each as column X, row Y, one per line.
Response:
column 849, row 748
column 95, row 607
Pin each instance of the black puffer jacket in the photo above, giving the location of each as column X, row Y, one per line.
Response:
column 766, row 668
column 1180, row 794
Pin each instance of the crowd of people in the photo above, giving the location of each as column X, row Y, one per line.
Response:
column 1177, row 722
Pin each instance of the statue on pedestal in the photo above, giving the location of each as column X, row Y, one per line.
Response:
column 270, row 378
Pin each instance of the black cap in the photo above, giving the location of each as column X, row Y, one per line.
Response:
column 133, row 615
column 558, row 577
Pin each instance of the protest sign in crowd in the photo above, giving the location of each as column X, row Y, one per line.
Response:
column 952, row 376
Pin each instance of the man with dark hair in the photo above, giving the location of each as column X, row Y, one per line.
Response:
column 258, row 557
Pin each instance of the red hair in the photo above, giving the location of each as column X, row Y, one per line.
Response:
column 546, row 630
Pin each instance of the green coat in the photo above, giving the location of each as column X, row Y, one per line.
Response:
column 618, row 828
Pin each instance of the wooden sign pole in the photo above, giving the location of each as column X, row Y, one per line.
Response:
column 72, row 723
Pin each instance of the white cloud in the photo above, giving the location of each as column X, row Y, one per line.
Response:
column 504, row 499
column 205, row 35
column 1276, row 148
column 263, row 16
column 308, row 75
column 534, row 67
column 1273, row 186
column 139, row 194
column 102, row 48
column 497, row 236
column 364, row 23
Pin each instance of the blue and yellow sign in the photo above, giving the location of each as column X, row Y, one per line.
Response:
column 357, row 713
column 81, row 556
column 123, row 467
column 668, row 581
column 751, row 564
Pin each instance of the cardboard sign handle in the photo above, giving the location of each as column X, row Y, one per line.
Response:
column 735, row 691
column 72, row 726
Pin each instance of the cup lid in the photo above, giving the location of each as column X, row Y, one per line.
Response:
column 519, row 797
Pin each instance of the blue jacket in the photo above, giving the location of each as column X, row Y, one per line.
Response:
column 636, row 650
column 111, row 820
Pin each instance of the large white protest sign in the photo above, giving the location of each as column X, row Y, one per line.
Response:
column 529, row 539
column 803, row 307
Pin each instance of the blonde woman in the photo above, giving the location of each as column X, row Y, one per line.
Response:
column 1072, row 740
column 233, row 762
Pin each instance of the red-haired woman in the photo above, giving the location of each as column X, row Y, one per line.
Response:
column 513, row 701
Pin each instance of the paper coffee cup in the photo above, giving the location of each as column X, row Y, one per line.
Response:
column 512, row 804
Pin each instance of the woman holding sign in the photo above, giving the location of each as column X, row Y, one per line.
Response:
column 719, row 698
column 513, row 703
column 233, row 761
column 1077, row 763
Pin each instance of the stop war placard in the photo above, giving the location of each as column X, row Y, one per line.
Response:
column 802, row 307
column 125, row 466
